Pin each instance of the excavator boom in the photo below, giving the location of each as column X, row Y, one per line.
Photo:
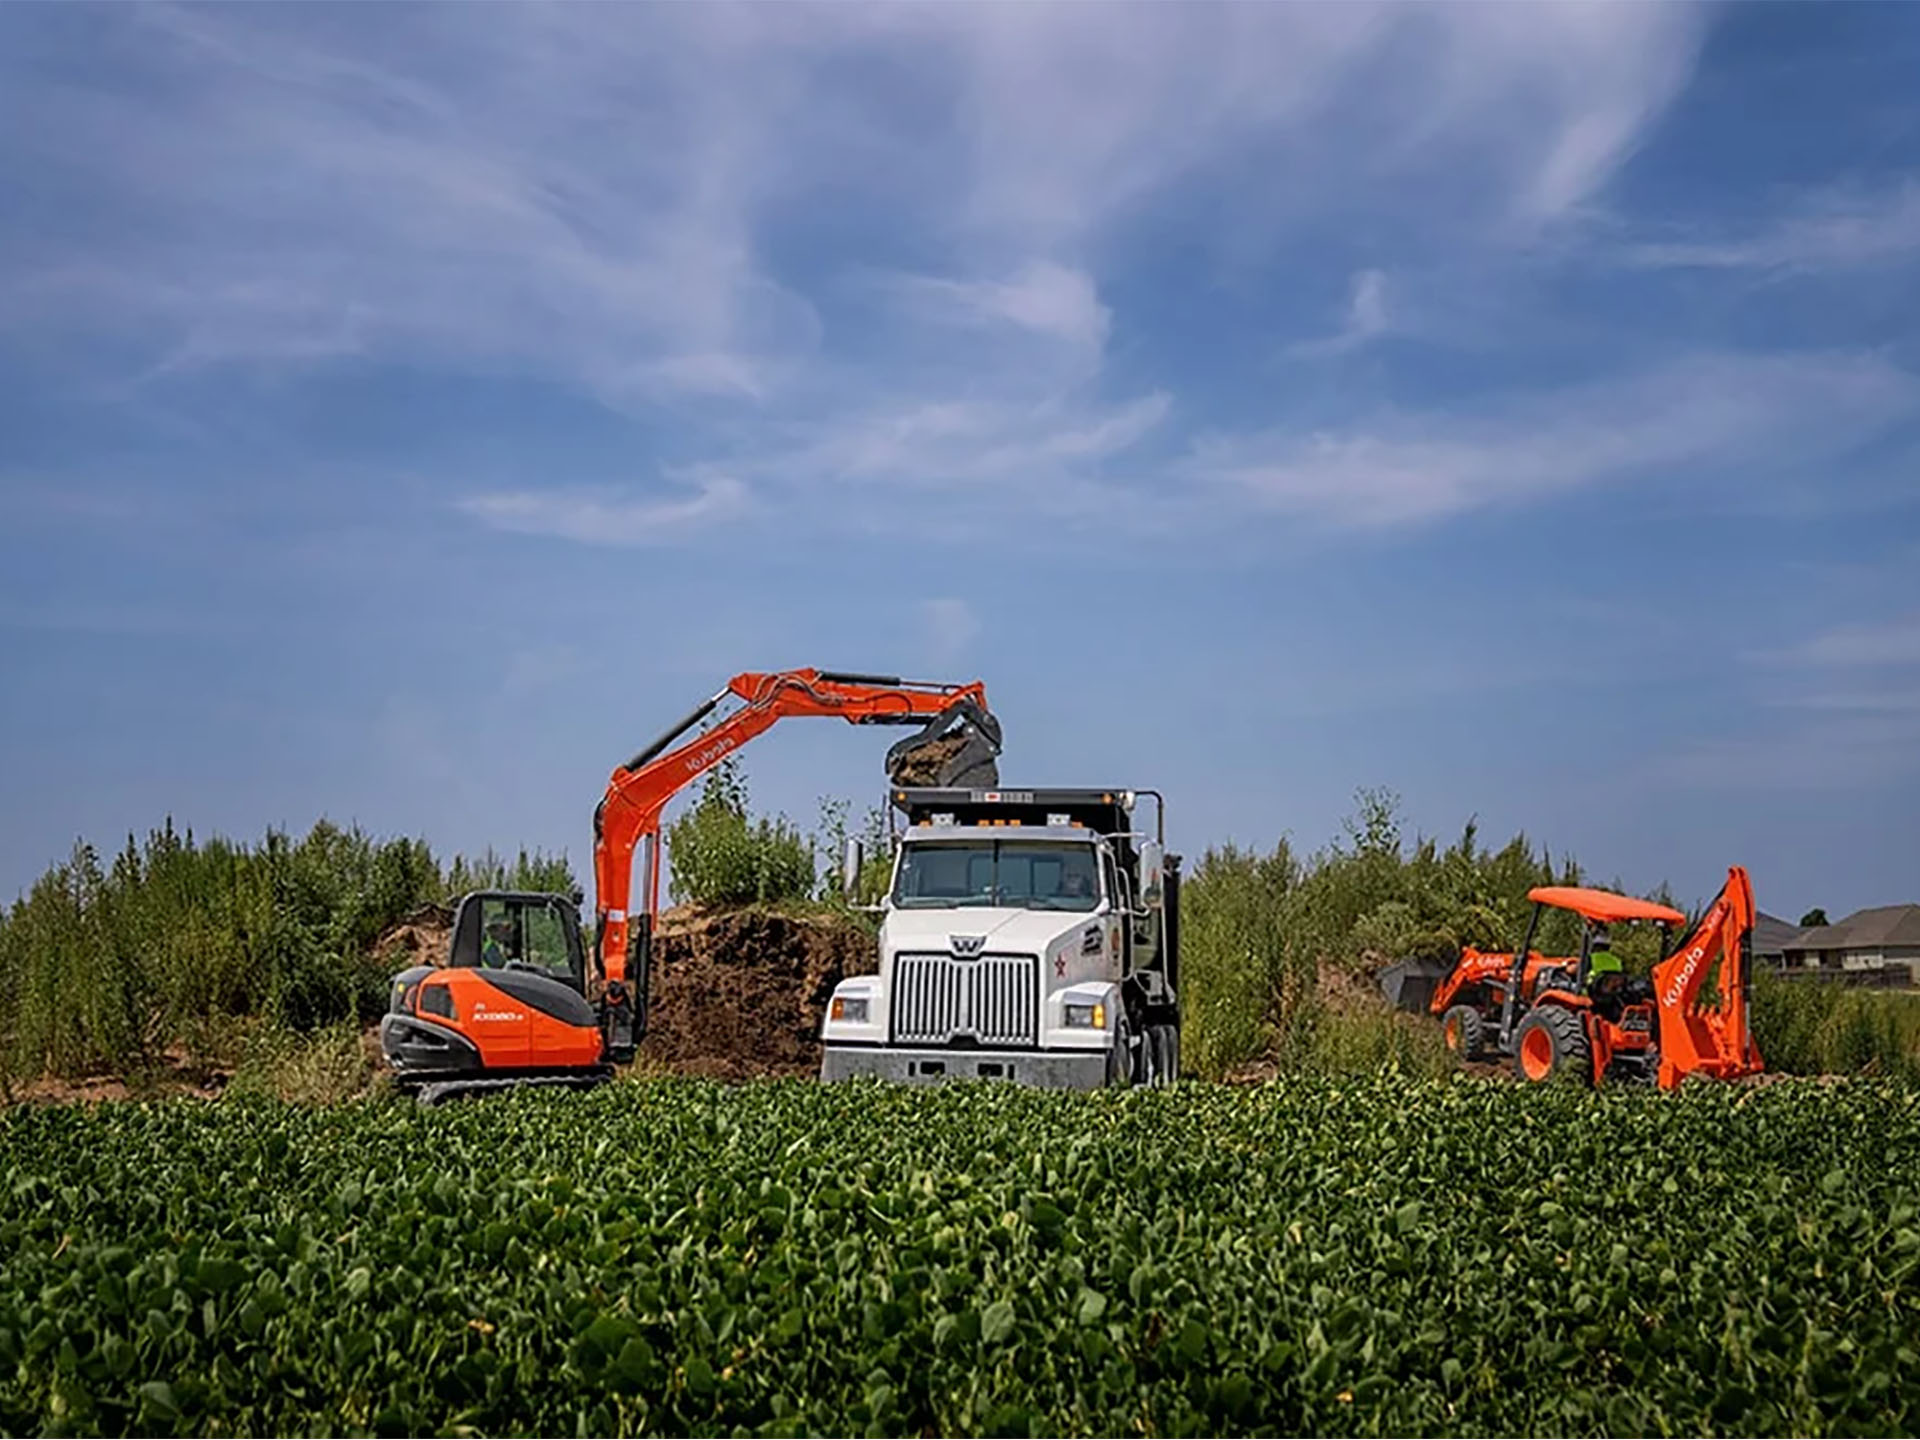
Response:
column 957, row 746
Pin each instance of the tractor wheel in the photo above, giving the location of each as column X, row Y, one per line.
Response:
column 1552, row 1042
column 1465, row 1032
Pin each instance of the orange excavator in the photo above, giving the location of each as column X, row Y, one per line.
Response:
column 1552, row 1016
column 517, row 1003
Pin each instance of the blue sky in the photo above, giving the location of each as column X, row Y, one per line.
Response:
column 404, row 413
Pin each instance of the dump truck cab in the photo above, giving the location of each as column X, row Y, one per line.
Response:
column 1026, row 935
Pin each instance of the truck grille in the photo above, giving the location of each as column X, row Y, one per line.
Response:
column 994, row 999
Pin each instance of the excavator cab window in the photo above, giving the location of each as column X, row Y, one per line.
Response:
column 529, row 933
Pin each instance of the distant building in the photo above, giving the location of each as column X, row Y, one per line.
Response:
column 1771, row 937
column 1875, row 939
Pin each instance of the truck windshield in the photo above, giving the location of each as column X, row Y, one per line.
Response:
column 1029, row 875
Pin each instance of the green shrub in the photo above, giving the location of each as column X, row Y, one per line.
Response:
column 103, row 967
column 720, row 855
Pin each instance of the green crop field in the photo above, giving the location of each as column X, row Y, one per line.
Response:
column 1345, row 1256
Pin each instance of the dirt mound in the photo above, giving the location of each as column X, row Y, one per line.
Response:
column 420, row 939
column 741, row 993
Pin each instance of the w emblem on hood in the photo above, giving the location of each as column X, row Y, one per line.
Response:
column 966, row 946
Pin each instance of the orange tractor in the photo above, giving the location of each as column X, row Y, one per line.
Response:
column 1551, row 1015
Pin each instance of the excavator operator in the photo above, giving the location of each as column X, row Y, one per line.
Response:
column 497, row 949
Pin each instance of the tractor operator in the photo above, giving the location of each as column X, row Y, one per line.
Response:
column 1600, row 957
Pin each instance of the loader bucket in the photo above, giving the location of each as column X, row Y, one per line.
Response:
column 1409, row 984
column 958, row 749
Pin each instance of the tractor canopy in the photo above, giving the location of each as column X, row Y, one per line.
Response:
column 1603, row 907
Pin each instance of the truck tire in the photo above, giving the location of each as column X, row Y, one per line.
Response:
column 1164, row 1042
column 1465, row 1032
column 1121, row 1059
column 1551, row 1043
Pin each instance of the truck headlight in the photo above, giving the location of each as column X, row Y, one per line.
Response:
column 1090, row 1016
column 849, row 1007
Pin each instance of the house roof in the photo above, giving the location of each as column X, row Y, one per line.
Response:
column 1882, row 925
column 1772, row 935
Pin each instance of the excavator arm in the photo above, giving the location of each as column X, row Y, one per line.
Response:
column 1712, row 1037
column 956, row 747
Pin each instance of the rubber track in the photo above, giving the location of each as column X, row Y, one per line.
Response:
column 440, row 1092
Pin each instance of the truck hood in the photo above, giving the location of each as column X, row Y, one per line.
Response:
column 1016, row 932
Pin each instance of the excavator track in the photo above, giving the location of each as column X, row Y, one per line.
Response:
column 442, row 1092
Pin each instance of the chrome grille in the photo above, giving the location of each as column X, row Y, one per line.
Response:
column 994, row 999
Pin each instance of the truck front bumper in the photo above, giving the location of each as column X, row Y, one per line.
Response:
column 1047, row 1069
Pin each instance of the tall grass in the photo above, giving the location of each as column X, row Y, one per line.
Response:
column 1260, row 929
column 111, row 964
column 1806, row 1028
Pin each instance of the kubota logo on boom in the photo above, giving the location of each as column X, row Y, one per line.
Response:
column 700, row 759
column 1694, row 957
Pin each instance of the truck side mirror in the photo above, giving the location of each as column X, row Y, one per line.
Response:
column 852, row 861
column 1153, row 890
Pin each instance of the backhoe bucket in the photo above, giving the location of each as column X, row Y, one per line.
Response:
column 1409, row 984
column 958, row 749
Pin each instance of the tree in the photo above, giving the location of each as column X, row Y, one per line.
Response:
column 1813, row 918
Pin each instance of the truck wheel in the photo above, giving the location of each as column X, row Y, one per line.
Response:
column 1121, row 1061
column 1552, row 1042
column 1165, row 1043
column 1465, row 1032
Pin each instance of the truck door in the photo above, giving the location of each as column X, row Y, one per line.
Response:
column 1118, row 921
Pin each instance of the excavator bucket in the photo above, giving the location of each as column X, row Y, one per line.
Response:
column 1409, row 984
column 959, row 748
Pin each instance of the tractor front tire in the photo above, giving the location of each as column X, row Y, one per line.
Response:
column 1464, row 1031
column 1551, row 1043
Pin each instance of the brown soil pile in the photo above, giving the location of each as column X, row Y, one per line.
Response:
column 420, row 939
column 924, row 765
column 741, row 993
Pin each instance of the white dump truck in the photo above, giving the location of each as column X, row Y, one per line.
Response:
column 1027, row 935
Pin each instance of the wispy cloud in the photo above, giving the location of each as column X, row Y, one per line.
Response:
column 1043, row 298
column 1366, row 319
column 596, row 194
column 1402, row 468
column 610, row 518
column 1829, row 231
column 1894, row 642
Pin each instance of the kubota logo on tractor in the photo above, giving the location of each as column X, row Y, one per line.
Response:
column 1694, row 957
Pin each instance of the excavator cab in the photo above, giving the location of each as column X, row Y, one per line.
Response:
column 508, row 1007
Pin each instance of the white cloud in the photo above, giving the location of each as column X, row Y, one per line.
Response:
column 593, row 193
column 1712, row 410
column 1056, row 301
column 1830, row 231
column 611, row 519
column 1367, row 318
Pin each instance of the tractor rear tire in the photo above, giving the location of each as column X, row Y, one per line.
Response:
column 1464, row 1031
column 1551, row 1043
